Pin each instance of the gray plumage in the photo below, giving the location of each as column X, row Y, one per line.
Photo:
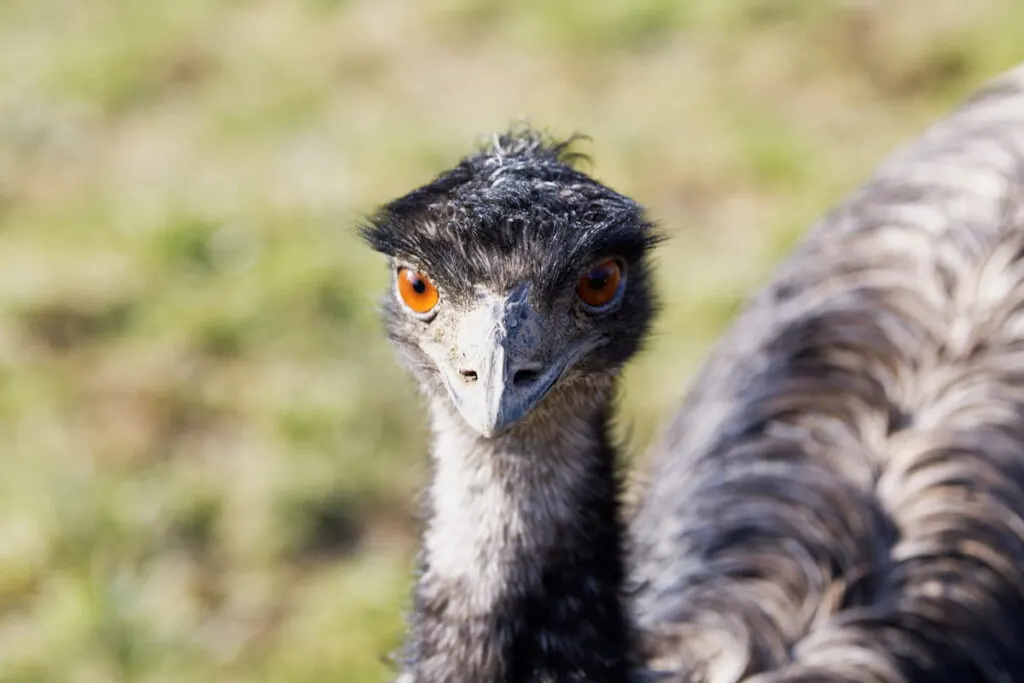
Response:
column 841, row 496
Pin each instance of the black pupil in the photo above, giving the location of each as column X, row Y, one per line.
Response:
column 598, row 278
column 418, row 285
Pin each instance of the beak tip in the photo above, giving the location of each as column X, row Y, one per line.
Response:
column 490, row 428
column 497, row 413
column 487, row 424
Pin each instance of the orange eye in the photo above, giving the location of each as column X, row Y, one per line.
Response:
column 416, row 290
column 600, row 284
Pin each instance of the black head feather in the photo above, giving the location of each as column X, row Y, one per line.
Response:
column 517, row 208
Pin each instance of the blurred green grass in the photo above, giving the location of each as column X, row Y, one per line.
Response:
column 210, row 458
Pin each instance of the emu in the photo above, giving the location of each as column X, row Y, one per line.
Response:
column 841, row 495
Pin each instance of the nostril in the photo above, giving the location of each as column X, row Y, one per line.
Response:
column 468, row 375
column 525, row 376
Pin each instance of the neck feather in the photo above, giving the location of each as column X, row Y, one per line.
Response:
column 522, row 564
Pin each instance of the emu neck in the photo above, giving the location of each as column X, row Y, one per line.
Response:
column 522, row 561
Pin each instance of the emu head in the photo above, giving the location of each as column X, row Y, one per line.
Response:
column 517, row 281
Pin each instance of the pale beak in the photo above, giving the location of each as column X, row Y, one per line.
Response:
column 496, row 376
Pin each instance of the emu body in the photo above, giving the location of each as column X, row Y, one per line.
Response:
column 841, row 496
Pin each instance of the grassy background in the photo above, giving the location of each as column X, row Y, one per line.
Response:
column 208, row 455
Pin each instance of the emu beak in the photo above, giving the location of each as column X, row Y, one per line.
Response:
column 495, row 378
